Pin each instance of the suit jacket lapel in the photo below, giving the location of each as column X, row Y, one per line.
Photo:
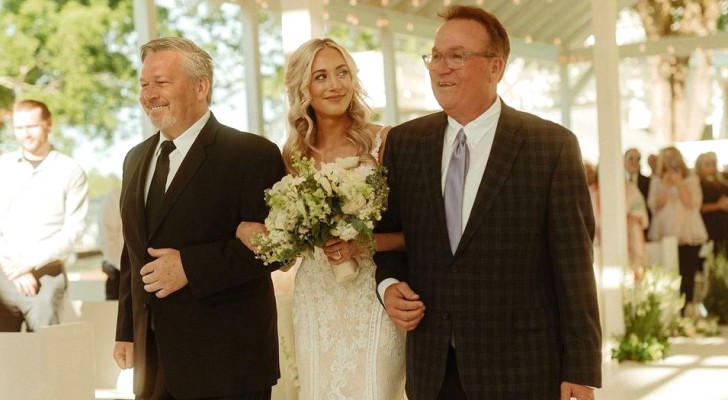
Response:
column 432, row 143
column 506, row 145
column 191, row 163
column 139, row 176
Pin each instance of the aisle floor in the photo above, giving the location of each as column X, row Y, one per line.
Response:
column 696, row 369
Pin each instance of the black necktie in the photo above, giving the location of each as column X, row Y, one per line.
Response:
column 159, row 183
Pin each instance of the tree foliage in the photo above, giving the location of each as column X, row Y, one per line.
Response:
column 71, row 54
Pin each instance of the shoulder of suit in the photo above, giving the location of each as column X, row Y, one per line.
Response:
column 418, row 125
column 247, row 138
column 531, row 124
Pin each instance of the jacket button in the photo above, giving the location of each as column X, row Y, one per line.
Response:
column 446, row 316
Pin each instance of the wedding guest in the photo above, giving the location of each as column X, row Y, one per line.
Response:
column 675, row 199
column 43, row 205
column 495, row 210
column 111, row 242
column 346, row 347
column 715, row 201
column 197, row 312
column 652, row 163
column 592, row 182
column 637, row 224
column 634, row 175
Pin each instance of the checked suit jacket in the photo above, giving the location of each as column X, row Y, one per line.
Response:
column 519, row 296
column 217, row 336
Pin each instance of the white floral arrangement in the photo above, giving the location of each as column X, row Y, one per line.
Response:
column 343, row 199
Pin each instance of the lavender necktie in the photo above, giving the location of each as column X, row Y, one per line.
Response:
column 454, row 186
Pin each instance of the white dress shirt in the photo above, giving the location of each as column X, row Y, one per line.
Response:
column 480, row 134
column 182, row 143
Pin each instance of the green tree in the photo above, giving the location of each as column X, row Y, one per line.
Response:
column 72, row 54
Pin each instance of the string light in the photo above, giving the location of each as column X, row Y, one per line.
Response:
column 410, row 27
column 557, row 41
column 528, row 39
column 415, row 3
column 352, row 3
column 382, row 22
column 352, row 19
column 385, row 3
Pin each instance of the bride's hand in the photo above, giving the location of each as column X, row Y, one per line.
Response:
column 338, row 251
column 247, row 230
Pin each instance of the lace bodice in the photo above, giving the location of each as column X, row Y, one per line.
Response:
column 377, row 143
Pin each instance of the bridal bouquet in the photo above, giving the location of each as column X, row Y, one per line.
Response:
column 343, row 199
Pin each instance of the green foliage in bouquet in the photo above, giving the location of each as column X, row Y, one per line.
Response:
column 716, row 301
column 651, row 304
column 342, row 200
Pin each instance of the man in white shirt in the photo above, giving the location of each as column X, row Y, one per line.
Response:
column 43, row 205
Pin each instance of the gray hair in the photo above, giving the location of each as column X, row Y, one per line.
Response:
column 197, row 62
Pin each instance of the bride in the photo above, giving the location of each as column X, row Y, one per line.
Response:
column 346, row 347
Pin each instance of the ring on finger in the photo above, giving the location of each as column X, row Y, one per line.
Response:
column 338, row 254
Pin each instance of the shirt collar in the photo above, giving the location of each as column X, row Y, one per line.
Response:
column 21, row 156
column 478, row 128
column 184, row 141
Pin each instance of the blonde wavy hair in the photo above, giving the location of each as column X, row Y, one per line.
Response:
column 670, row 158
column 301, row 116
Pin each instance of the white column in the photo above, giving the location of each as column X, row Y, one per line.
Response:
column 389, row 62
column 145, row 25
column 301, row 20
column 611, row 165
column 565, row 93
column 251, row 55
column 145, row 20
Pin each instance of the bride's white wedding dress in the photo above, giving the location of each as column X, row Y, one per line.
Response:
column 346, row 346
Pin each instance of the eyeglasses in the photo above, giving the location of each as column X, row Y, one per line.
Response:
column 453, row 60
column 632, row 158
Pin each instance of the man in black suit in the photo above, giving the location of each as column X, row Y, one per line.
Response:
column 500, row 250
column 197, row 314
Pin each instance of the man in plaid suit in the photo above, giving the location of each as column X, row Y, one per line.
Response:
column 504, row 306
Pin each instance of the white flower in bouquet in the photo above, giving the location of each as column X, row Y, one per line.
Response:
column 343, row 199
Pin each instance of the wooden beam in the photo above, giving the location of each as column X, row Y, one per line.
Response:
column 675, row 45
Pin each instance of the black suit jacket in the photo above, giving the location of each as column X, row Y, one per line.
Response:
column 643, row 183
column 216, row 336
column 519, row 295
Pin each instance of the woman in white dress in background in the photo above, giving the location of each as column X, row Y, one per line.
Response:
column 346, row 347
